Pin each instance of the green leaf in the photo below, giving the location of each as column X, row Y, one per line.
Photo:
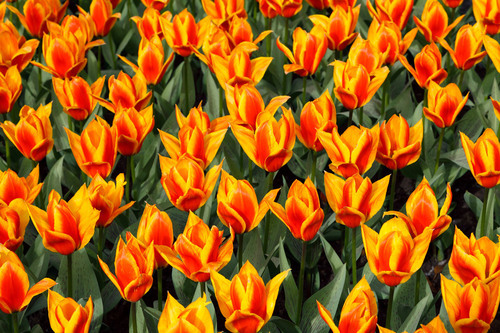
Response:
column 53, row 180
column 284, row 325
column 140, row 320
column 331, row 255
column 184, row 287
column 291, row 291
column 412, row 321
column 474, row 203
column 489, row 219
column 151, row 317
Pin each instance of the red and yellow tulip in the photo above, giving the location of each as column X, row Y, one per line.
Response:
column 101, row 12
column 397, row 11
column 444, row 104
column 126, row 92
column 66, row 315
column 132, row 127
column 38, row 12
column 14, row 219
column 12, row 186
column 468, row 44
column 427, row 66
column 434, row 22
column 387, row 38
column 10, row 89
column 487, row 13
column 15, row 50
column 339, row 27
column 177, row 318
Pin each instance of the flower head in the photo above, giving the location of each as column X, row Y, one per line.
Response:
column 10, row 89
column 12, row 186
column 434, row 22
column 101, row 12
column 132, row 127
column 177, row 318
column 444, row 104
column 66, row 315
column 427, row 66
column 14, row 219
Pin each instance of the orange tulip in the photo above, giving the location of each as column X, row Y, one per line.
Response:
column 355, row 200
column 66, row 315
column 33, row 133
column 399, row 144
column 398, row 11
column 222, row 11
column 345, row 4
column 237, row 205
column 308, row 51
column 473, row 307
column 269, row 8
column 126, row 92
column 155, row 227
column 133, row 269
column 422, row 211
column 364, row 52
column 150, row 60
column 76, row 96
column 217, row 42
column 245, row 103
column 66, row 227
column 245, row 302
column 427, row 66
column 240, row 31
column 289, row 8
column 434, row 326
column 393, row 255
column 132, row 127
column 198, row 251
column 387, row 38
column 487, row 13
column 101, row 12
column 319, row 4
column 197, row 118
column 106, row 197
column 10, row 89
column 434, row 22
column 352, row 152
column 339, row 27
column 317, row 115
column 496, row 107
column 38, row 12
column 64, row 55
column 444, row 104
column 15, row 50
column 185, row 183
column 14, row 219
column 483, row 157
column 359, row 312
column 95, row 149
column 302, row 214
column 270, row 146
column 16, row 293
column 468, row 44
column 149, row 24
column 12, row 186
column 493, row 49
column 471, row 258
column 355, row 85
column 177, row 318
column 156, row 4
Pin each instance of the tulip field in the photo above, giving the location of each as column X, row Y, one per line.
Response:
column 250, row 166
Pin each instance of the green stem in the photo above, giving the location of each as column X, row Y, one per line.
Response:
column 452, row 16
column 221, row 101
column 287, row 32
column 268, row 38
column 250, row 171
column 483, row 212
column 69, row 257
column 440, row 144
column 99, row 56
column 7, row 144
column 313, row 166
column 101, row 240
column 268, row 217
column 353, row 255
column 417, row 287
column 71, row 126
column 127, row 180
column 461, row 79
column 346, row 242
column 423, row 123
column 240, row 249
column 384, row 98
column 349, row 121
column 133, row 314
column 304, row 87
column 301, row 281
column 132, row 171
column 203, row 287
column 389, row 307
column 360, row 116
column 15, row 322
column 393, row 188
column 185, row 83
column 112, row 49
column 159, row 276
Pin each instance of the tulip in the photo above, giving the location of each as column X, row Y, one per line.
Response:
column 149, row 24
column 15, row 50
column 14, row 219
column 82, row 26
column 240, row 31
column 319, row 4
column 434, row 326
column 150, row 60
column 133, row 269
column 493, row 49
column 496, row 107
column 308, row 51
column 64, row 55
column 16, row 293
column 222, row 11
column 32, row 135
column 487, row 13
column 399, row 144
column 66, row 226
column 317, row 115
column 364, row 52
column 444, row 104
column 185, row 183
column 155, row 4
column 12, row 186
column 393, row 255
column 270, row 146
column 269, row 8
column 434, row 22
column 473, row 307
column 427, row 66
column 38, row 12
column 106, row 197
column 352, row 152
column 354, row 85
column 197, row 118
column 483, row 157
column 199, row 250
column 355, row 200
column 126, row 92
column 386, row 36
column 177, row 318
column 302, row 214
column 245, row 103
column 76, row 96
column 245, row 302
column 289, row 8
column 468, row 44
column 237, row 205
column 339, row 27
column 95, row 149
column 359, row 312
column 10, row 89
column 345, row 4
column 398, row 11
column 101, row 12
column 155, row 227
column 132, row 127
column 66, row 315
column 471, row 258
column 216, row 42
